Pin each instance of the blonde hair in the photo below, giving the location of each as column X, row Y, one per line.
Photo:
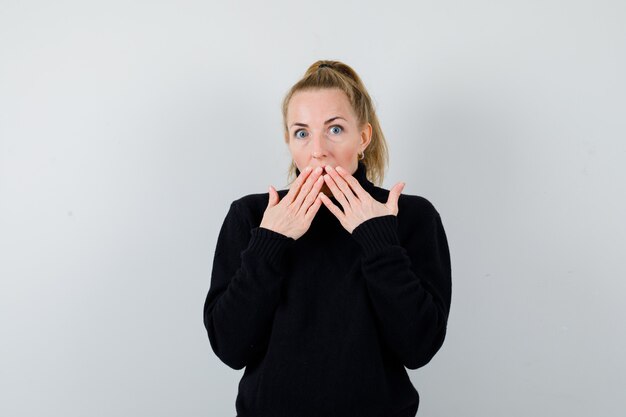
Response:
column 335, row 74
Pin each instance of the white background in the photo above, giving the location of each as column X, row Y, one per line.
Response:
column 127, row 128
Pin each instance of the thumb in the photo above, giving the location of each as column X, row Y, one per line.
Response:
column 273, row 197
column 394, row 195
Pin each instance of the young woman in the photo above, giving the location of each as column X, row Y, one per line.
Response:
column 327, row 291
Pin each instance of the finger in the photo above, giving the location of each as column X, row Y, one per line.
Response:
column 314, row 208
column 342, row 184
column 273, row 197
column 295, row 186
column 311, row 196
column 336, row 192
column 394, row 196
column 331, row 206
column 353, row 183
column 307, row 186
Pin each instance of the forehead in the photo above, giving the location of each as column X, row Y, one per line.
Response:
column 319, row 104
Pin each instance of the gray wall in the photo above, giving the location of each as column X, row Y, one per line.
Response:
column 127, row 128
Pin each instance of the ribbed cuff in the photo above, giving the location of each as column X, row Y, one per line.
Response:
column 269, row 244
column 377, row 233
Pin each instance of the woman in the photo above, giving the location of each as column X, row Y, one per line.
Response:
column 326, row 291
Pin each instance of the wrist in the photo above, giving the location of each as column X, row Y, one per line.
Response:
column 377, row 233
column 268, row 244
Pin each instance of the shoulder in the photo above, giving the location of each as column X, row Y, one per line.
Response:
column 408, row 205
column 417, row 205
column 257, row 199
column 250, row 207
column 417, row 217
column 250, row 200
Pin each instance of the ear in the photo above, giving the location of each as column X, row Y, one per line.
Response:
column 366, row 135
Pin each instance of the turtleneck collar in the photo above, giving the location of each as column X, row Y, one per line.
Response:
column 360, row 174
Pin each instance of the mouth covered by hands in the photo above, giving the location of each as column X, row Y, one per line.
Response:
column 292, row 216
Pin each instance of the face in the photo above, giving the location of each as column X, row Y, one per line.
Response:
column 323, row 130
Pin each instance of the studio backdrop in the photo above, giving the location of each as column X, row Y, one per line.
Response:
column 128, row 128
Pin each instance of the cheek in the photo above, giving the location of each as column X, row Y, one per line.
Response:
column 296, row 152
column 348, row 149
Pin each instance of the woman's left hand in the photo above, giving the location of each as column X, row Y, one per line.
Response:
column 358, row 205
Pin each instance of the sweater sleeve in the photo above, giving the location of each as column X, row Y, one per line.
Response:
column 245, row 289
column 409, row 285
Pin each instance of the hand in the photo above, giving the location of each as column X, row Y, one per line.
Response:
column 358, row 205
column 292, row 216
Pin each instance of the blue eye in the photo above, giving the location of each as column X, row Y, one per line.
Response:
column 335, row 130
column 300, row 134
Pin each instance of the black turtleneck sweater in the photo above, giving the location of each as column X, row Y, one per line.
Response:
column 326, row 324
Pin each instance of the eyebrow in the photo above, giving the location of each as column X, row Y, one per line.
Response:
column 326, row 122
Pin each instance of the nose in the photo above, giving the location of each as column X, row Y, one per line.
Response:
column 319, row 146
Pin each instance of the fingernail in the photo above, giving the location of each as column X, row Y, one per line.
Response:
column 308, row 169
column 318, row 170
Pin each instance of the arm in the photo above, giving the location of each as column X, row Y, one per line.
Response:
column 245, row 289
column 409, row 285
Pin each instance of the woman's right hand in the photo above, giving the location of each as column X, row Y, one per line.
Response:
column 292, row 216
